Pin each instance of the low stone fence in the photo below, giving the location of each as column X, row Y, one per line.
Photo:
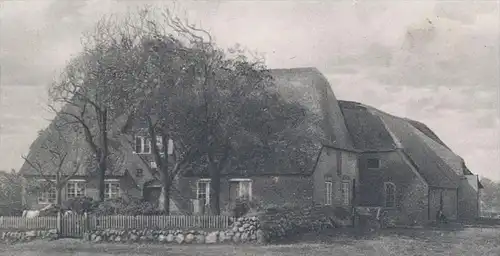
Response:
column 243, row 230
column 26, row 236
column 271, row 225
column 280, row 224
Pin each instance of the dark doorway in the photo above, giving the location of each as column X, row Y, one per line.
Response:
column 152, row 195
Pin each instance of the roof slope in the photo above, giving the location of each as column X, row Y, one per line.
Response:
column 77, row 149
column 311, row 89
column 375, row 130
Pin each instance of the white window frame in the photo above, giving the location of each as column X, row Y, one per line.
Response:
column 108, row 194
column 206, row 192
column 77, row 183
column 146, row 143
column 240, row 188
column 144, row 140
column 393, row 196
column 328, row 192
column 346, row 192
column 48, row 197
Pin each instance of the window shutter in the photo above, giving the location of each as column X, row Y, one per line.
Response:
column 159, row 143
column 170, row 149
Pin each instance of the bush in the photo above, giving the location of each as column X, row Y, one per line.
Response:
column 126, row 207
column 80, row 205
column 241, row 207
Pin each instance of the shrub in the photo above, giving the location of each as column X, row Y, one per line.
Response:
column 80, row 204
column 122, row 206
column 241, row 207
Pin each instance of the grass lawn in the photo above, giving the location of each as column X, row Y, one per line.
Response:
column 470, row 241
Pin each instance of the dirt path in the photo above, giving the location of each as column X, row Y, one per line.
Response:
column 473, row 241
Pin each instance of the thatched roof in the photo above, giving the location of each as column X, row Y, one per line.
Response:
column 78, row 152
column 375, row 130
column 327, row 122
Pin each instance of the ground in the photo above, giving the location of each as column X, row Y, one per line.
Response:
column 470, row 241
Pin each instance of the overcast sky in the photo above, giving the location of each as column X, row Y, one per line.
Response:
column 436, row 62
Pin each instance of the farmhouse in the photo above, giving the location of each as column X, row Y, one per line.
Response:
column 354, row 155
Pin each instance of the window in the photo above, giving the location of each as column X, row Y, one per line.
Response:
column 346, row 193
column 390, row 194
column 243, row 188
column 48, row 196
column 203, row 190
column 142, row 145
column 328, row 192
column 373, row 163
column 112, row 190
column 75, row 189
column 153, row 165
column 339, row 163
column 139, row 173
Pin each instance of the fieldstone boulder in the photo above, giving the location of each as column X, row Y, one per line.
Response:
column 179, row 238
column 134, row 237
column 189, row 238
column 200, row 239
column 211, row 238
column 30, row 234
column 170, row 238
column 162, row 238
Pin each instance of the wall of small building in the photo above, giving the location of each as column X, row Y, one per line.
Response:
column 468, row 198
column 128, row 189
column 411, row 189
column 328, row 169
column 448, row 197
column 267, row 191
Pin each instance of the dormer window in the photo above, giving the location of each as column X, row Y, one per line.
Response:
column 143, row 144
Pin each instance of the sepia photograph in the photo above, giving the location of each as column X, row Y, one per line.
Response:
column 249, row 127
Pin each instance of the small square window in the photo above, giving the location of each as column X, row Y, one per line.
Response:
column 139, row 173
column 373, row 163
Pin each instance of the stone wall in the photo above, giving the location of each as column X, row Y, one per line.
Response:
column 243, row 230
column 26, row 236
column 280, row 224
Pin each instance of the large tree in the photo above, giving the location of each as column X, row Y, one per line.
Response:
column 219, row 107
column 93, row 88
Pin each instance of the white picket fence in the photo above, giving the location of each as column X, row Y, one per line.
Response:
column 76, row 225
column 8, row 223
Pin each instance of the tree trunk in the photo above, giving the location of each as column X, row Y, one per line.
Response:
column 59, row 188
column 167, row 184
column 214, row 189
column 103, row 153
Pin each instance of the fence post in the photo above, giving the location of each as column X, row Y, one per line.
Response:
column 59, row 224
column 86, row 229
